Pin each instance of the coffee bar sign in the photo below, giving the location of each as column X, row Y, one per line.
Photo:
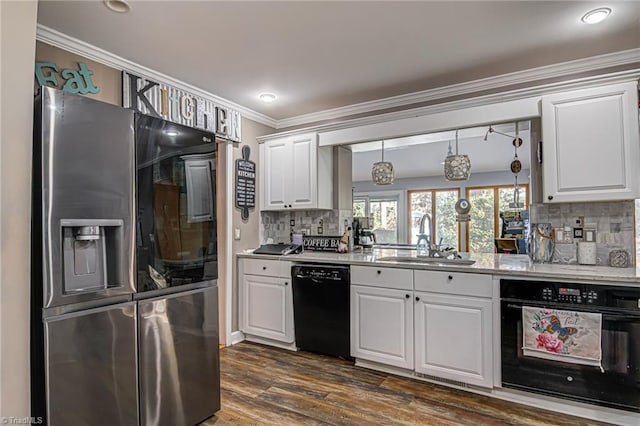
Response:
column 178, row 106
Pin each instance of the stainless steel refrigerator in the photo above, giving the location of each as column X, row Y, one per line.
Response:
column 177, row 272
column 104, row 353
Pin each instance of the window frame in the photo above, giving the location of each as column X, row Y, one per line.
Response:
column 397, row 196
column 433, row 192
column 496, row 205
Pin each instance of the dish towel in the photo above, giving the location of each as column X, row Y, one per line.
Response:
column 565, row 336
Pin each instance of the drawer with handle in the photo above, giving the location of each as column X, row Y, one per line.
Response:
column 269, row 268
column 464, row 284
column 401, row 279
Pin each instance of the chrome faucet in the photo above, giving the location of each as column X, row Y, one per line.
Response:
column 421, row 233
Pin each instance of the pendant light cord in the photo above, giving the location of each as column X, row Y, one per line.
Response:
column 456, row 141
column 383, row 150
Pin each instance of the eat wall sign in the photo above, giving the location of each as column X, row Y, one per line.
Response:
column 76, row 81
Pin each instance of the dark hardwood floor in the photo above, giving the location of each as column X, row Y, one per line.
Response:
column 265, row 385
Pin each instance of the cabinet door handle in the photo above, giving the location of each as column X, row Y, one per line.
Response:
column 264, row 268
column 417, row 299
column 407, row 296
column 379, row 272
column 550, row 197
column 286, row 283
column 450, row 277
column 289, row 205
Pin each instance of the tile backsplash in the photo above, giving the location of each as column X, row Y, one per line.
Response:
column 277, row 225
column 614, row 222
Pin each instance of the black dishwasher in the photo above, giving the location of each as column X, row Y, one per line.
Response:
column 321, row 308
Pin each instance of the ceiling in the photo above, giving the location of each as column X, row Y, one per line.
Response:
column 321, row 55
column 423, row 155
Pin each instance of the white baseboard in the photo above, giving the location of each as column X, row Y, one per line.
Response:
column 236, row 337
column 269, row 342
column 593, row 412
column 384, row 368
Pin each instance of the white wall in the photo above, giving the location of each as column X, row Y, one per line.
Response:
column 18, row 34
column 249, row 229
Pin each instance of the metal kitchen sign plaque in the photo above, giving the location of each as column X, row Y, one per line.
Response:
column 321, row 242
column 178, row 106
column 245, row 183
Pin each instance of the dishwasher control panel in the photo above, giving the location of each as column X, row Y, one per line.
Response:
column 321, row 272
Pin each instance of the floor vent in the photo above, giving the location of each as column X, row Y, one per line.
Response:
column 441, row 380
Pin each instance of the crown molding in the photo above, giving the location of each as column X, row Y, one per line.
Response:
column 499, row 97
column 563, row 69
column 89, row 51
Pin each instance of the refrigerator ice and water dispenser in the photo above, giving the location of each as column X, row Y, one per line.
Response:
column 91, row 252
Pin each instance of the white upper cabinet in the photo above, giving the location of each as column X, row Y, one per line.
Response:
column 295, row 174
column 274, row 182
column 590, row 144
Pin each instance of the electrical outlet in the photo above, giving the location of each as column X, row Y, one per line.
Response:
column 590, row 231
column 579, row 222
column 563, row 236
column 560, row 235
column 236, row 233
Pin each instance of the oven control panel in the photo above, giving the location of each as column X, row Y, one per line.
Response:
column 619, row 297
column 569, row 295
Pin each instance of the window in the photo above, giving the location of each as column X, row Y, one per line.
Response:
column 439, row 204
column 486, row 205
column 359, row 208
column 421, row 203
column 481, row 225
column 383, row 210
column 385, row 220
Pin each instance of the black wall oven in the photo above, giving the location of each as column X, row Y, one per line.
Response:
column 616, row 383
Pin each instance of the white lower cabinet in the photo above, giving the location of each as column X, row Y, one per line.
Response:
column 266, row 302
column 453, row 337
column 382, row 325
column 436, row 323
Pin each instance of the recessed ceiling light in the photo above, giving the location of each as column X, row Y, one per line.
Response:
column 119, row 6
column 267, row 97
column 596, row 15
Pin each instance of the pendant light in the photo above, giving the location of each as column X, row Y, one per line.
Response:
column 516, row 167
column 382, row 171
column 457, row 167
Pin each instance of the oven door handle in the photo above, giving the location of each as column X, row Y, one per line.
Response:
column 612, row 313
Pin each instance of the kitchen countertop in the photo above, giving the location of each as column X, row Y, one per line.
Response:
column 503, row 265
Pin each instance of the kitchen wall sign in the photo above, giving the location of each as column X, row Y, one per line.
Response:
column 176, row 105
column 75, row 81
column 245, row 183
column 321, row 243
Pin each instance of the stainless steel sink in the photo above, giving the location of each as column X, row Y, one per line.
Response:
column 429, row 260
column 395, row 246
